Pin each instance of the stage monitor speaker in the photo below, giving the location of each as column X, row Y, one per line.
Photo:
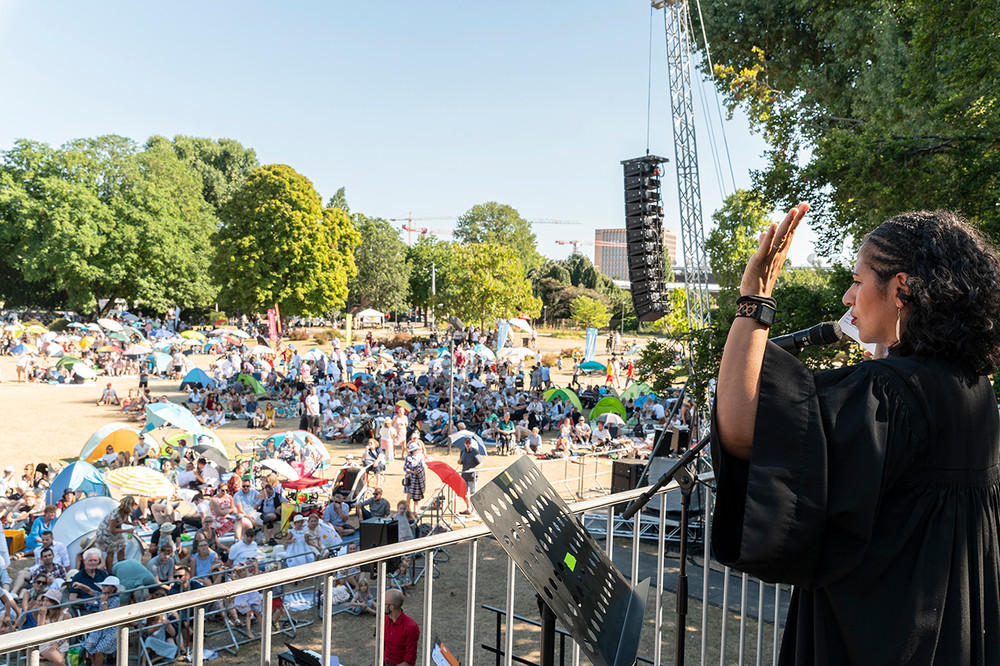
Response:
column 376, row 532
column 625, row 475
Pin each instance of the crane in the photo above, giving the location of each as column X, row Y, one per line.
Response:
column 577, row 243
column 426, row 230
column 410, row 229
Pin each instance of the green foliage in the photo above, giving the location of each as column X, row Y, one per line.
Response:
column 499, row 224
column 428, row 251
column 486, row 282
column 279, row 245
column 97, row 220
column 675, row 323
column 589, row 312
column 869, row 108
column 383, row 278
column 735, row 236
column 223, row 164
column 339, row 200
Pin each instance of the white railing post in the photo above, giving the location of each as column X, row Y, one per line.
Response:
column 198, row 637
column 428, row 631
column 266, row 616
column 327, row 618
column 509, row 637
column 122, row 656
column 470, row 608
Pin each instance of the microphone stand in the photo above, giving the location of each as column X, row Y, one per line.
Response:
column 686, row 480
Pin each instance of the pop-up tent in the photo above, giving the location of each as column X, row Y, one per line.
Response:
column 252, row 384
column 369, row 317
column 195, row 377
column 78, row 475
column 120, row 436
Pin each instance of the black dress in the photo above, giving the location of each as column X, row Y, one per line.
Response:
column 875, row 490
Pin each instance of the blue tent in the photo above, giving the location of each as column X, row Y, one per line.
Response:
column 195, row 377
column 78, row 475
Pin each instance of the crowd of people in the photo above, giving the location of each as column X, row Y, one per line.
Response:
column 225, row 524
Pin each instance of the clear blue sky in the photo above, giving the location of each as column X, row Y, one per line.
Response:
column 427, row 108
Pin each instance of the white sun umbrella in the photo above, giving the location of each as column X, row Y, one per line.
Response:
column 515, row 353
column 84, row 371
column 192, row 342
column 475, row 383
column 49, row 336
column 281, row 467
column 133, row 545
column 610, row 418
column 139, row 481
column 75, row 324
column 13, row 328
column 137, row 350
column 314, row 355
column 110, row 324
column 54, row 350
column 258, row 350
column 65, row 338
column 237, row 333
column 95, row 328
column 517, row 322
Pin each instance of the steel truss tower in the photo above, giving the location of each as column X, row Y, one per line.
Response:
column 696, row 269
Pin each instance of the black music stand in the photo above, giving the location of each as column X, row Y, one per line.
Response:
column 565, row 565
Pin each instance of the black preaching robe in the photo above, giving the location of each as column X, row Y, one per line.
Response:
column 875, row 490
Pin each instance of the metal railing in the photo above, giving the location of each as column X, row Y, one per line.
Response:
column 717, row 615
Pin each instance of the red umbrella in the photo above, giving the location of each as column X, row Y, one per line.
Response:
column 348, row 385
column 451, row 478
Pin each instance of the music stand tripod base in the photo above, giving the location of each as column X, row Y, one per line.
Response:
column 565, row 565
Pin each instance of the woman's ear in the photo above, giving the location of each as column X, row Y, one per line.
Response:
column 903, row 293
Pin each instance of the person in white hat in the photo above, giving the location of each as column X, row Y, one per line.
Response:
column 414, row 474
column 297, row 549
column 103, row 642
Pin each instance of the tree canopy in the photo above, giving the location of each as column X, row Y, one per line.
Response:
column 499, row 224
column 486, row 282
column 869, row 108
column 97, row 220
column 426, row 252
column 383, row 278
column 589, row 313
column 277, row 244
column 223, row 164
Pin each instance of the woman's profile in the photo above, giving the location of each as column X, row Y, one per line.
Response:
column 874, row 488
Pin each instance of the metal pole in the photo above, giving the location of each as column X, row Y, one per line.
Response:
column 198, row 640
column 122, row 646
column 428, row 607
column 451, row 387
column 327, row 618
column 265, row 627
column 470, row 608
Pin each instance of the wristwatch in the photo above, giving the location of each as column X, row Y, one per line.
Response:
column 759, row 308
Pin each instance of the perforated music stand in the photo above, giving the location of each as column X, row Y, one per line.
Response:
column 564, row 564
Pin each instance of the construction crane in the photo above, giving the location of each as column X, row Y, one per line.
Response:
column 423, row 231
column 577, row 243
column 409, row 220
column 677, row 21
column 545, row 220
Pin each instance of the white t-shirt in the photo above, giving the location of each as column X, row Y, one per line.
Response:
column 312, row 405
column 240, row 551
column 600, row 435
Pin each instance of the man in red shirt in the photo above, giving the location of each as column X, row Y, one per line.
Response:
column 401, row 632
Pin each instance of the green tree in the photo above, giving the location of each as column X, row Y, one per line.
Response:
column 499, row 224
column 97, row 220
column 487, row 283
column 383, row 278
column 279, row 245
column 223, row 164
column 429, row 251
column 589, row 313
column 869, row 108
column 339, row 200
column 735, row 236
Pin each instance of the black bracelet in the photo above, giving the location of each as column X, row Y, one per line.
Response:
column 759, row 308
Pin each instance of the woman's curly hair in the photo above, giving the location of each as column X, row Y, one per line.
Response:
column 954, row 282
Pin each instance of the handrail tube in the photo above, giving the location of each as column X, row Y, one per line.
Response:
column 28, row 638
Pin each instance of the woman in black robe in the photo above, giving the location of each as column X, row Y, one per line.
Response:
column 874, row 489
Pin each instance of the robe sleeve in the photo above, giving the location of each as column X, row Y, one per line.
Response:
column 825, row 447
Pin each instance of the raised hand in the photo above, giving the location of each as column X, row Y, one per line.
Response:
column 764, row 266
